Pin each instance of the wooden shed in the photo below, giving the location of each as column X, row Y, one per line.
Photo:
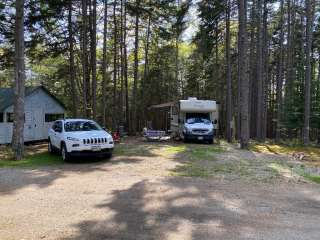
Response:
column 41, row 109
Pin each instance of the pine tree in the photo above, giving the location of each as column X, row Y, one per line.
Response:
column 19, row 88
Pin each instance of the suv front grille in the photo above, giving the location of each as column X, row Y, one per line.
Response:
column 95, row 141
column 200, row 131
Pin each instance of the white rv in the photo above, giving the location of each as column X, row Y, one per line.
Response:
column 192, row 119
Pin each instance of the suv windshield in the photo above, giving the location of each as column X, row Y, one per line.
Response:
column 198, row 120
column 79, row 126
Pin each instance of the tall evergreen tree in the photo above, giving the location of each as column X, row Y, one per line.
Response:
column 243, row 74
column 19, row 87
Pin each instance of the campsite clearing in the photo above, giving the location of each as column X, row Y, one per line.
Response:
column 161, row 191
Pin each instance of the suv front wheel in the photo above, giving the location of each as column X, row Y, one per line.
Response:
column 64, row 153
column 50, row 147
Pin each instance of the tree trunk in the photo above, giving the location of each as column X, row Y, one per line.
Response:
column 265, row 70
column 94, row 59
column 243, row 73
column 146, row 68
column 290, row 48
column 122, row 46
column 259, row 80
column 115, row 66
column 318, row 94
column 104, row 64
column 19, row 88
column 72, row 72
column 253, row 71
column 307, row 87
column 85, row 56
column 126, row 66
column 135, row 76
column 228, row 73
column 280, row 74
column 176, row 58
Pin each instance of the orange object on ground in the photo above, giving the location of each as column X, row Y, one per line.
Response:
column 116, row 137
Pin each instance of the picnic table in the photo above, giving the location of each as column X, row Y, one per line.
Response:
column 152, row 135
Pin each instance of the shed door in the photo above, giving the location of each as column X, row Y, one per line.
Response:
column 38, row 125
column 28, row 126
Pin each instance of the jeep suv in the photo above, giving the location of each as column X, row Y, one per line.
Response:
column 79, row 137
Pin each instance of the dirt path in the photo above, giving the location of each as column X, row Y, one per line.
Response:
column 132, row 197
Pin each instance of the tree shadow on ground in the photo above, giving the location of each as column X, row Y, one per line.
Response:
column 15, row 178
column 177, row 208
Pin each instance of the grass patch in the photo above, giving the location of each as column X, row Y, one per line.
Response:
column 191, row 170
column 294, row 172
column 36, row 160
column 123, row 149
column 312, row 159
column 193, row 152
column 312, row 178
column 308, row 176
column 198, row 160
column 311, row 151
column 176, row 149
column 198, row 169
column 204, row 153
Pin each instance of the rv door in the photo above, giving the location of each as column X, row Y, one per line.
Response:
column 174, row 121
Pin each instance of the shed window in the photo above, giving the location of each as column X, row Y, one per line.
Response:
column 1, row 117
column 53, row 117
column 10, row 117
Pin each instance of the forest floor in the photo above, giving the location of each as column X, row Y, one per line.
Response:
column 165, row 190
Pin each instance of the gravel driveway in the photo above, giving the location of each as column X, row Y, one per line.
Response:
column 133, row 197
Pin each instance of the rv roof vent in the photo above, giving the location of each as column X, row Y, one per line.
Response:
column 192, row 98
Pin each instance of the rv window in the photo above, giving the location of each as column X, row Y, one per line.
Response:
column 1, row 117
column 53, row 117
column 198, row 115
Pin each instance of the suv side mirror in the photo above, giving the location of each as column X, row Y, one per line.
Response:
column 215, row 121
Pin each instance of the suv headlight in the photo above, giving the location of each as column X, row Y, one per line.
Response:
column 73, row 139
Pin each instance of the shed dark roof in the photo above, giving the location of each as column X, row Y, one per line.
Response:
column 7, row 96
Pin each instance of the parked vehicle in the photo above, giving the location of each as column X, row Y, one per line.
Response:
column 192, row 119
column 79, row 137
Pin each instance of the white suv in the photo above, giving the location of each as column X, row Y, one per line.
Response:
column 79, row 137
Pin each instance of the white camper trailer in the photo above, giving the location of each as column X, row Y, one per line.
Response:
column 192, row 119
